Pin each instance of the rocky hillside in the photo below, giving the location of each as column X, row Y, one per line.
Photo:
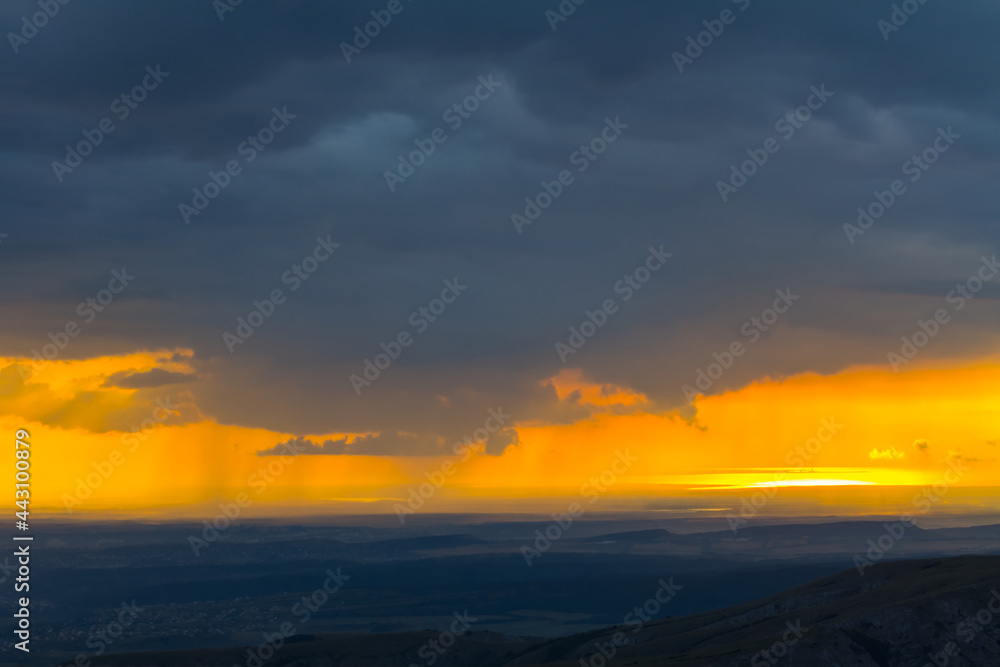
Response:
column 899, row 614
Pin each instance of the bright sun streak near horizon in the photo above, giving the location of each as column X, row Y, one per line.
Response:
column 786, row 483
column 812, row 482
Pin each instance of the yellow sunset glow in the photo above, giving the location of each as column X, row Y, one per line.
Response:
column 861, row 427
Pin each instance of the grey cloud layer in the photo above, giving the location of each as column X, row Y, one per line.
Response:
column 324, row 175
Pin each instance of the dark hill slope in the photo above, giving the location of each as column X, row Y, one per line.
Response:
column 896, row 615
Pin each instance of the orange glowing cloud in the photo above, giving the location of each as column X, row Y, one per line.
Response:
column 106, row 437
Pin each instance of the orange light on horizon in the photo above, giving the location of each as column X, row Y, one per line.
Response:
column 855, row 428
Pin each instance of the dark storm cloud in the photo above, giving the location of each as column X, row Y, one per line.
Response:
column 154, row 378
column 323, row 174
column 388, row 444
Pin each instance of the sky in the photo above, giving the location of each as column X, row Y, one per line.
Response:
column 703, row 246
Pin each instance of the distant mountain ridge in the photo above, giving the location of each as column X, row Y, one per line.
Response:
column 651, row 535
